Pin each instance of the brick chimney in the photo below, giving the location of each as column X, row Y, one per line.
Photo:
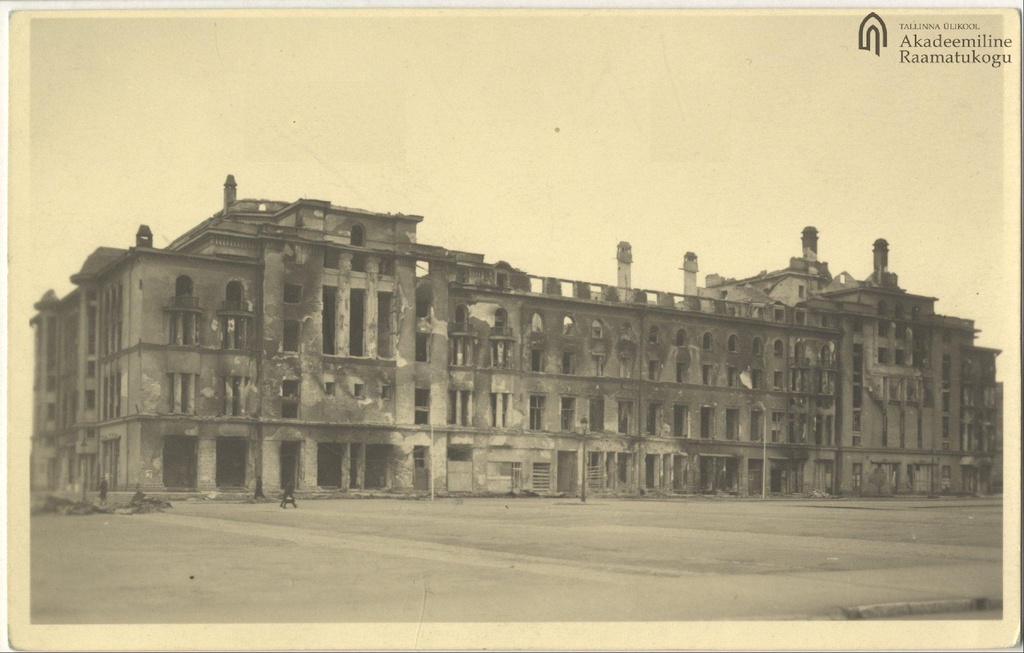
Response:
column 144, row 237
column 230, row 188
column 624, row 255
column 810, row 243
column 689, row 274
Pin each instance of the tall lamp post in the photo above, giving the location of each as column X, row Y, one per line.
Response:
column 583, row 490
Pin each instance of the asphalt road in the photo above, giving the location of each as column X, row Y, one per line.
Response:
column 510, row 560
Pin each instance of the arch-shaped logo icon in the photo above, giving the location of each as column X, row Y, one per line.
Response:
column 872, row 34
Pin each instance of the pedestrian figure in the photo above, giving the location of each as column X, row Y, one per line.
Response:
column 104, row 485
column 288, row 495
column 259, row 489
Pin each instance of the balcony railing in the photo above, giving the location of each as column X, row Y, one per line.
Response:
column 503, row 331
column 459, row 328
column 235, row 306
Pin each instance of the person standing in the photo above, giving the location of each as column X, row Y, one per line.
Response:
column 288, row 495
column 104, row 486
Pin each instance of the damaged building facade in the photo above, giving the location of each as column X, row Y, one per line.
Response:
column 323, row 346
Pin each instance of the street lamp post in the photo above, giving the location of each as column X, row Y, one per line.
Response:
column 583, row 490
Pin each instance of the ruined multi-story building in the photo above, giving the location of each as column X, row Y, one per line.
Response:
column 310, row 343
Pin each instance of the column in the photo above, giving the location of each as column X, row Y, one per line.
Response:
column 361, row 465
column 309, row 464
column 346, row 465
column 271, row 466
column 206, row 468
column 743, row 482
column 370, row 334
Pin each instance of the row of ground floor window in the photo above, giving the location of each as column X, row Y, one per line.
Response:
column 190, row 463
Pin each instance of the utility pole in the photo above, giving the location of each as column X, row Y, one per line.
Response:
column 586, row 472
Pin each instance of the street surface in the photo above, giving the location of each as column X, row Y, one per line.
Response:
column 511, row 560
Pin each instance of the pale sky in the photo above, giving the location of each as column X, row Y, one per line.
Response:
column 539, row 139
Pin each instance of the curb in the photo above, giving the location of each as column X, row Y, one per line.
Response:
column 883, row 610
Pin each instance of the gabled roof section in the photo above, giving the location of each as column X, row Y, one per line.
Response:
column 97, row 262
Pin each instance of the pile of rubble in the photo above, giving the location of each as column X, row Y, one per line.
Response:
column 140, row 504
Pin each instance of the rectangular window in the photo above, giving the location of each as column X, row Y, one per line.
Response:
column 499, row 409
column 422, row 347
column 598, row 364
column 597, row 414
column 800, row 291
column 625, row 417
column 801, row 317
column 568, row 413
column 291, row 336
column 777, row 419
column 945, row 427
column 537, row 412
column 680, row 421
column 857, row 474
column 732, row 424
column 625, row 367
column 329, row 388
column 356, row 321
column 327, row 315
column 732, row 377
column 756, row 425
column 290, row 399
column 856, row 421
column 332, row 259
column 883, row 329
column 422, row 415
column 652, row 370
column 386, row 267
column 90, row 369
column 706, row 375
column 568, row 362
column 756, row 380
column 90, row 399
column 359, row 263
column 778, row 380
column 883, row 355
column 653, row 411
column 536, row 360
column 384, row 330
column 357, row 391
column 459, row 407
column 899, row 357
column 292, row 293
column 233, row 401
column 707, row 422
column 385, row 392
column 460, row 351
column 500, row 354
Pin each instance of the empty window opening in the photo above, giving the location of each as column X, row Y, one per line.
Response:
column 680, row 421
column 358, row 236
column 707, row 422
column 596, row 414
column 328, row 315
column 378, row 457
column 290, row 399
column 568, row 326
column 179, row 462
column 537, row 323
column 289, row 473
column 232, row 454
column 183, row 286
column 329, row 461
column 357, row 319
column 332, row 259
column 596, row 330
column 292, row 293
column 537, row 412
column 422, row 415
column 290, row 342
column 681, row 338
column 707, row 342
column 385, row 349
column 652, row 335
column 733, row 344
column 359, row 263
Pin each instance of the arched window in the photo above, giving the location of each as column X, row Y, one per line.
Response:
column 798, row 350
column 233, row 293
column 424, row 301
column 899, row 311
column 652, row 335
column 626, row 332
column 681, row 338
column 826, row 354
column 757, row 347
column 733, row 343
column 500, row 318
column 461, row 314
column 596, row 330
column 183, row 286
column 883, row 308
column 567, row 325
column 358, row 238
column 708, row 343
column 777, row 348
column 537, row 323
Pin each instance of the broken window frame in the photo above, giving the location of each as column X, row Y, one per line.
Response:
column 537, row 412
column 422, row 406
column 567, row 413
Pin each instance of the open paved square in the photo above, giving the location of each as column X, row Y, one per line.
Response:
column 510, row 560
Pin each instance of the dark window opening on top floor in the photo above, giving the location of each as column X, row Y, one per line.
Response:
column 292, row 330
column 292, row 293
column 359, row 262
column 384, row 344
column 332, row 259
column 330, row 307
column 358, row 236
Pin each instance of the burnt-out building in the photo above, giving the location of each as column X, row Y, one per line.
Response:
column 307, row 343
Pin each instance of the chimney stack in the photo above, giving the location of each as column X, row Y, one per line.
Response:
column 230, row 188
column 810, row 243
column 144, row 237
column 881, row 259
column 690, row 274
column 624, row 254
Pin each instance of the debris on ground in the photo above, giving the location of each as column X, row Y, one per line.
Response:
column 140, row 504
column 817, row 494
